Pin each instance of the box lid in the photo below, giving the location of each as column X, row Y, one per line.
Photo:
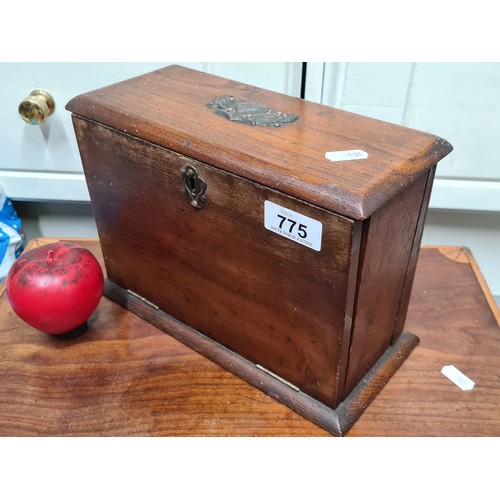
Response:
column 187, row 111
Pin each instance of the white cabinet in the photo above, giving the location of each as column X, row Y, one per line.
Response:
column 457, row 101
column 42, row 162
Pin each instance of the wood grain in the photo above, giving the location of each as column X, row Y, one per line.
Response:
column 464, row 255
column 125, row 377
column 388, row 239
column 336, row 421
column 456, row 325
column 278, row 303
column 318, row 319
column 168, row 107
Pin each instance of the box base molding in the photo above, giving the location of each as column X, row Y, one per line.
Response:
column 336, row 421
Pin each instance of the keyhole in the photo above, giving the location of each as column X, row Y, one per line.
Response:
column 194, row 186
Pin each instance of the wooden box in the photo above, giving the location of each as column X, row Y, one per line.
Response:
column 276, row 236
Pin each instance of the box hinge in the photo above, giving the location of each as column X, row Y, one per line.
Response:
column 142, row 299
column 277, row 377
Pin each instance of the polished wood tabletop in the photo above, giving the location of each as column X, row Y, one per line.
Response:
column 124, row 377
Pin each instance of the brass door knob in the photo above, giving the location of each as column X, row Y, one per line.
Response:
column 37, row 107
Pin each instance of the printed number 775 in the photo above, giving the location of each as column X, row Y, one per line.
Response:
column 301, row 230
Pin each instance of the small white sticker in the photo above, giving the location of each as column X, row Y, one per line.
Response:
column 292, row 225
column 457, row 377
column 352, row 154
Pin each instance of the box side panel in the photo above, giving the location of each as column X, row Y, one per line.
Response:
column 278, row 303
column 387, row 241
column 412, row 263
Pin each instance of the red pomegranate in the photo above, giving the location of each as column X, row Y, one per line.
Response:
column 55, row 287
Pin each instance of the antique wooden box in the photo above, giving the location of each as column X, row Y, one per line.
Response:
column 276, row 236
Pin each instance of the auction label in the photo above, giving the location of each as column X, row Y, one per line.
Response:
column 351, row 154
column 292, row 225
column 458, row 378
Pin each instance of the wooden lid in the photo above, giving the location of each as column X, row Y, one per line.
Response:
column 169, row 107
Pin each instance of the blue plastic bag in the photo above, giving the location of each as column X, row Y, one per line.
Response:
column 12, row 239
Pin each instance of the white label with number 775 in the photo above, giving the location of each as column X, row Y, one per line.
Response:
column 292, row 225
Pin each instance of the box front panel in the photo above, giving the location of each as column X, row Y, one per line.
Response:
column 263, row 274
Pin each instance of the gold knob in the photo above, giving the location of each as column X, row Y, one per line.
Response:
column 37, row 107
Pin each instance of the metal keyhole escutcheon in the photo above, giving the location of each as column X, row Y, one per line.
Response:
column 194, row 186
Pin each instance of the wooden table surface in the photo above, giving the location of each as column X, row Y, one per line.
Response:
column 124, row 377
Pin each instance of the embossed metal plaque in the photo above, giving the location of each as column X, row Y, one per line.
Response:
column 249, row 112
